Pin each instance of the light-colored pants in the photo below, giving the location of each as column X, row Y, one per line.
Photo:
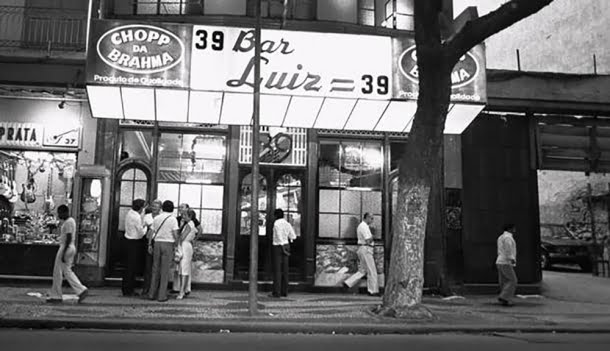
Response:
column 366, row 266
column 507, row 280
column 163, row 254
column 63, row 270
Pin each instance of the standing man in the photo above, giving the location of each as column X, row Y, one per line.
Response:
column 366, row 262
column 507, row 259
column 151, row 212
column 165, row 232
column 283, row 235
column 134, row 232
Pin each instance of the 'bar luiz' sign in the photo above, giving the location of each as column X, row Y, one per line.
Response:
column 213, row 58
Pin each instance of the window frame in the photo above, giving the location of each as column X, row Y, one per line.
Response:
column 378, row 237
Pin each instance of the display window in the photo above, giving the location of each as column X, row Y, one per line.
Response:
column 350, row 184
column 33, row 184
column 191, row 170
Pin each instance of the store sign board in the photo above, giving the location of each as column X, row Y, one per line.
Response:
column 292, row 63
column 20, row 134
column 61, row 136
column 468, row 83
column 135, row 54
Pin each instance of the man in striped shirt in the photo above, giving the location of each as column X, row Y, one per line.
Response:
column 507, row 259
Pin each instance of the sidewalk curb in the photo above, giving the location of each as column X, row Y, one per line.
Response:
column 288, row 327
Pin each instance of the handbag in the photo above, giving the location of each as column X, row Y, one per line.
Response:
column 152, row 240
column 177, row 254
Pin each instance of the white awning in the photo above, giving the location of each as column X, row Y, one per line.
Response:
column 231, row 108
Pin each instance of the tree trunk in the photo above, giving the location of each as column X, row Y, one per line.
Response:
column 420, row 164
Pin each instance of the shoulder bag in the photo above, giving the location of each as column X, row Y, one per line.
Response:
column 152, row 240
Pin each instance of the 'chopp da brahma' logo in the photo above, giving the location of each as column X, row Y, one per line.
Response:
column 140, row 49
column 464, row 72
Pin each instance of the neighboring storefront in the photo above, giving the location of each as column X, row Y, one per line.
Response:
column 333, row 122
column 41, row 146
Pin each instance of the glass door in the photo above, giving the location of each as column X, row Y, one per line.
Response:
column 277, row 189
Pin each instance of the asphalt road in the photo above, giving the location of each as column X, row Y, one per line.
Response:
column 92, row 340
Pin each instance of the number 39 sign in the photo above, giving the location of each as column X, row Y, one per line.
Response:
column 292, row 63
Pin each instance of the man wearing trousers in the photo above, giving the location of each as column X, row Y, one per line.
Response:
column 153, row 211
column 134, row 232
column 283, row 235
column 366, row 262
column 165, row 232
column 507, row 259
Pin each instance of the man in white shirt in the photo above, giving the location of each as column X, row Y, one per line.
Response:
column 134, row 232
column 507, row 259
column 283, row 235
column 366, row 262
column 165, row 232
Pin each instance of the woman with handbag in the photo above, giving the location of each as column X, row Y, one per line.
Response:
column 185, row 247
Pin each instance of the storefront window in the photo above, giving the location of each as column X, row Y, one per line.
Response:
column 246, row 205
column 350, row 185
column 191, row 170
column 32, row 185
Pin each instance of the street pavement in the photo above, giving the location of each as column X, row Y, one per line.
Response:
column 18, row 340
column 571, row 302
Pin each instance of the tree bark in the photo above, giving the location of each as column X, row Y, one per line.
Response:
column 421, row 165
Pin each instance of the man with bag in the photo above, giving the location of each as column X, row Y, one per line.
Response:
column 165, row 227
column 283, row 235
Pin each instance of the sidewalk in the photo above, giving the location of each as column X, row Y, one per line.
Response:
column 227, row 311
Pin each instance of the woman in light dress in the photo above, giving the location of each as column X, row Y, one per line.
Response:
column 186, row 239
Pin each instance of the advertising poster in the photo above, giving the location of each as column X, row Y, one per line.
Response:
column 147, row 55
column 468, row 82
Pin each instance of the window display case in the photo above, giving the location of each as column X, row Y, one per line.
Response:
column 91, row 215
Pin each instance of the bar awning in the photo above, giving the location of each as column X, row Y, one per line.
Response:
column 204, row 74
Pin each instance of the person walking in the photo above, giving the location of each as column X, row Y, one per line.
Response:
column 186, row 238
column 165, row 228
column 65, row 258
column 151, row 212
column 134, row 232
column 366, row 261
column 283, row 235
column 506, row 261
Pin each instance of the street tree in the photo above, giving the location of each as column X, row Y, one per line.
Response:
column 421, row 164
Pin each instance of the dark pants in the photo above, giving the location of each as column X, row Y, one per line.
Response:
column 133, row 256
column 163, row 255
column 280, row 270
column 148, row 263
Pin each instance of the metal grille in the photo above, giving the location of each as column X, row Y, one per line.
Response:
column 298, row 153
column 42, row 28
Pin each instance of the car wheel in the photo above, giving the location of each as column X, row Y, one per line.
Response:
column 545, row 263
column 586, row 266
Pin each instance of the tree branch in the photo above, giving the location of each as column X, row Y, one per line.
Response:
column 477, row 30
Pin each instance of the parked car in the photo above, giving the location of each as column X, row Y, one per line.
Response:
column 559, row 245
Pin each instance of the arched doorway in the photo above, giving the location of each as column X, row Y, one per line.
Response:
column 133, row 181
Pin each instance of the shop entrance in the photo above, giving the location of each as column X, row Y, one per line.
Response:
column 278, row 188
column 133, row 183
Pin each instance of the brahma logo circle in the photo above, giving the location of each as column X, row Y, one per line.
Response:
column 464, row 72
column 140, row 49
